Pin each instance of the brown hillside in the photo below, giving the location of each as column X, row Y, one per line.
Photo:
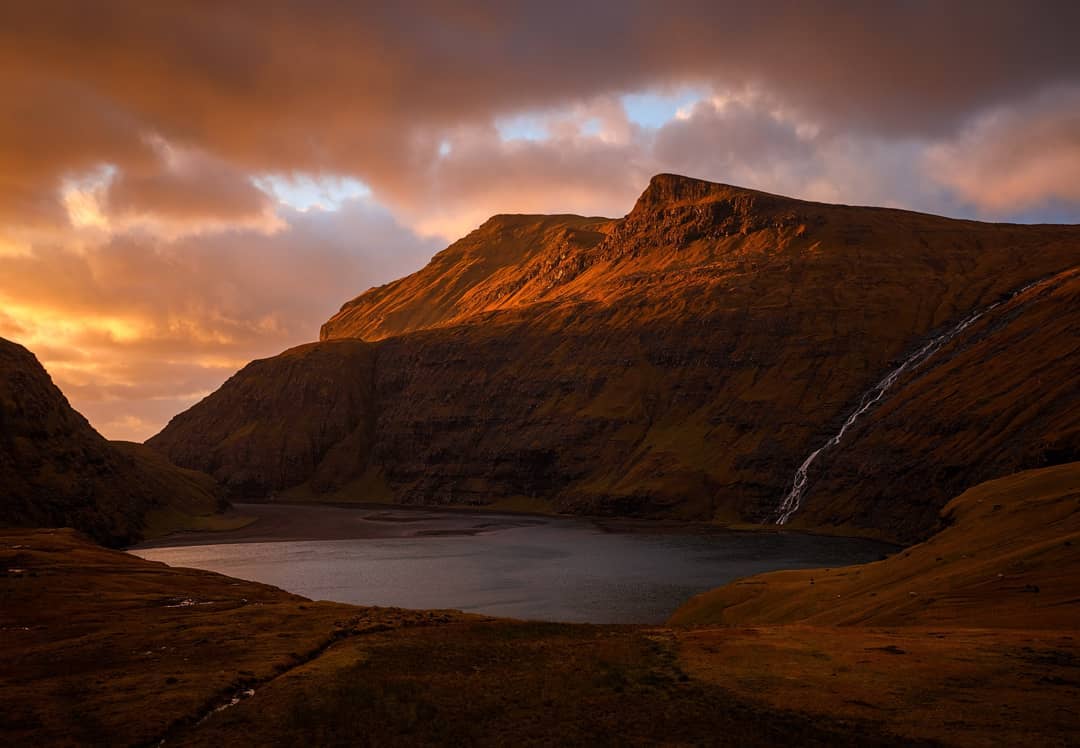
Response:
column 108, row 649
column 509, row 261
column 55, row 470
column 1002, row 398
column 680, row 361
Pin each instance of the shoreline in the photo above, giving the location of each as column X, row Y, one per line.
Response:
column 304, row 521
column 314, row 521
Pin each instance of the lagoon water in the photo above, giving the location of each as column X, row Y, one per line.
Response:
column 537, row 568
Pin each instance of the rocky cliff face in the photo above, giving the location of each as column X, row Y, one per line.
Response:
column 55, row 470
column 680, row 361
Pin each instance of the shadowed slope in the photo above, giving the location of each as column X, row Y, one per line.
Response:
column 1001, row 398
column 306, row 414
column 55, row 470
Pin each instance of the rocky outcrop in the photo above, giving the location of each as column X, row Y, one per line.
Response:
column 55, row 470
column 678, row 362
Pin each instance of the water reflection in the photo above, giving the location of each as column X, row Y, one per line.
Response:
column 555, row 570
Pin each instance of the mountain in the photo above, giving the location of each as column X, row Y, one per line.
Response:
column 508, row 261
column 306, row 415
column 56, row 470
column 681, row 362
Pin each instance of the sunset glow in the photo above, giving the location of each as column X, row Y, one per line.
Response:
column 184, row 188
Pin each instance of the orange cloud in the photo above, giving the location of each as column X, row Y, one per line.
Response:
column 138, row 327
column 1014, row 158
column 144, row 256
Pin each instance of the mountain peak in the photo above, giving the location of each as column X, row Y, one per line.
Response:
column 675, row 188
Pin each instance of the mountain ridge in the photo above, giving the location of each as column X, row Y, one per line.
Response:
column 716, row 211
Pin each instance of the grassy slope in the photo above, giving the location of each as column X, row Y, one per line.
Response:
column 1007, row 558
column 968, row 638
column 962, row 687
column 100, row 647
column 188, row 499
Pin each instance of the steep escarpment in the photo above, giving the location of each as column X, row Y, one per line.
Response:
column 679, row 362
column 1000, row 398
column 305, row 415
column 55, row 470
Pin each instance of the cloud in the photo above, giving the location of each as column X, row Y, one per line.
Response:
column 1014, row 158
column 482, row 175
column 747, row 139
column 742, row 141
column 140, row 326
column 370, row 92
column 185, row 186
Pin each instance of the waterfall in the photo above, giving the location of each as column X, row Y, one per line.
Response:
column 871, row 397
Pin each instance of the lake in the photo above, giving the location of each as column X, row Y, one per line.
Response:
column 552, row 569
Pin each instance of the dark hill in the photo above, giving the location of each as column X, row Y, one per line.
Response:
column 56, row 470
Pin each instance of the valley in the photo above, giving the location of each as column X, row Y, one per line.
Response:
column 654, row 459
column 556, row 569
column 111, row 645
column 539, row 374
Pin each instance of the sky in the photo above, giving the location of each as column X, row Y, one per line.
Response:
column 188, row 186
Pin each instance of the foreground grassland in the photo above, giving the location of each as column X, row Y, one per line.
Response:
column 103, row 647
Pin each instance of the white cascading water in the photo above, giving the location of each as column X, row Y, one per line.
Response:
column 793, row 499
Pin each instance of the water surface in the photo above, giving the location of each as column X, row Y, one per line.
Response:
column 548, row 569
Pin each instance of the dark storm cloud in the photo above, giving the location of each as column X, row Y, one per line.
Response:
column 365, row 88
